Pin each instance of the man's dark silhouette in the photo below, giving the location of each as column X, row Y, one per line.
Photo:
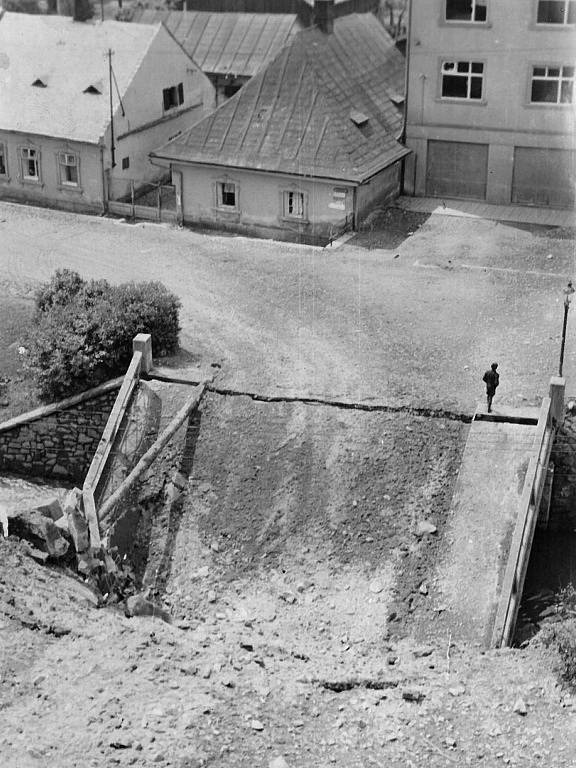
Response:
column 491, row 379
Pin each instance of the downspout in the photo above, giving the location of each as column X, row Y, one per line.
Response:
column 406, row 85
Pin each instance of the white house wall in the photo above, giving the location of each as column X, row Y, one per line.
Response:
column 87, row 196
column 509, row 45
column 328, row 205
column 141, row 124
column 165, row 65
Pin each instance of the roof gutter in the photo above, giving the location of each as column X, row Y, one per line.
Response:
column 340, row 180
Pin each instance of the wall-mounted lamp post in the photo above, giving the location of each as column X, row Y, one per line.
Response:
column 568, row 291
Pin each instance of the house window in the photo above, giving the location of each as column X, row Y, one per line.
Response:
column 125, row 163
column 68, row 163
column 30, row 164
column 173, row 97
column 462, row 80
column 338, row 199
column 556, row 12
column 294, row 205
column 227, row 194
column 466, row 10
column 552, row 85
column 3, row 164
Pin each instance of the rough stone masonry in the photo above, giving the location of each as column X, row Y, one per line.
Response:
column 56, row 444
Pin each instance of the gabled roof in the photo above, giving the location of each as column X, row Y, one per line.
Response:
column 225, row 43
column 323, row 107
column 69, row 58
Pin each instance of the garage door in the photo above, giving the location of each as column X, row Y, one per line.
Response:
column 544, row 177
column 457, row 169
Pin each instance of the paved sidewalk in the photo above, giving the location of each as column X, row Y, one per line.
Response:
column 521, row 214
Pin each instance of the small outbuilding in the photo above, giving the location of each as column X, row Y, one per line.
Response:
column 308, row 146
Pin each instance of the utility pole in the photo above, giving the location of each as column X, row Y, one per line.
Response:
column 568, row 291
column 112, row 148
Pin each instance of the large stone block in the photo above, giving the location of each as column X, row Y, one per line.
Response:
column 50, row 508
column 39, row 530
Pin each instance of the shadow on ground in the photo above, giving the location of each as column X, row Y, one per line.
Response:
column 388, row 228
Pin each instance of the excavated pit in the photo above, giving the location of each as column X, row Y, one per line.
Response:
column 298, row 503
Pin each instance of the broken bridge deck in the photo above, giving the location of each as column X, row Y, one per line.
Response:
column 485, row 507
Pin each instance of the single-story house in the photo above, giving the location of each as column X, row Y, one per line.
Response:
column 82, row 104
column 230, row 48
column 308, row 147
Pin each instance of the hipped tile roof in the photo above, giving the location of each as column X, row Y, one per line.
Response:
column 295, row 116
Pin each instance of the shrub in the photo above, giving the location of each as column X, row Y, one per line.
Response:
column 59, row 290
column 82, row 331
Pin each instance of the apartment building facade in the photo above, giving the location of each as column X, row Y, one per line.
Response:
column 491, row 101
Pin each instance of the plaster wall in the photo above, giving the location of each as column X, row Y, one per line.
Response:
column 260, row 208
column 509, row 44
column 49, row 190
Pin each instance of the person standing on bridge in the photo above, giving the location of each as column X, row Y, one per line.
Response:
column 491, row 378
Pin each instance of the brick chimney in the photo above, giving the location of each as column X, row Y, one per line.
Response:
column 324, row 15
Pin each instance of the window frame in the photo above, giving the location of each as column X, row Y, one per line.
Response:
column 4, row 155
column 549, row 25
column 24, row 177
column 61, row 155
column 220, row 205
column 176, row 96
column 559, row 79
column 284, row 197
column 466, row 22
column 468, row 76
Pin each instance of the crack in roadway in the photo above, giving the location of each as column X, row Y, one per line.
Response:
column 434, row 413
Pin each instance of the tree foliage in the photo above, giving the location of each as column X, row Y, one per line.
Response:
column 82, row 330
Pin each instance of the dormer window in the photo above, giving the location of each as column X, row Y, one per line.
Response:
column 358, row 118
column 93, row 89
column 38, row 83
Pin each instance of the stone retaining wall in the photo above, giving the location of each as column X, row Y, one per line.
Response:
column 563, row 503
column 58, row 441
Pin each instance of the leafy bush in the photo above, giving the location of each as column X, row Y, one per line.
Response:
column 82, row 331
column 59, row 290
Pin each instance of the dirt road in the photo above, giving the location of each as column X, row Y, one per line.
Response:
column 414, row 325
column 304, row 601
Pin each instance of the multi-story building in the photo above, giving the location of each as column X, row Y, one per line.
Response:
column 491, row 99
